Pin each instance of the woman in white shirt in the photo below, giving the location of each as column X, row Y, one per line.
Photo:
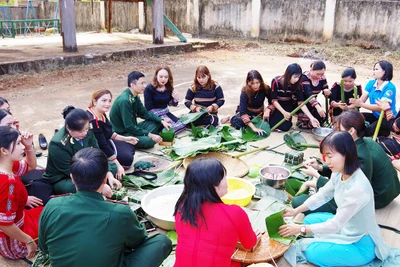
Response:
column 352, row 236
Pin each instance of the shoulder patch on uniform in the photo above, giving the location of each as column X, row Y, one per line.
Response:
column 65, row 139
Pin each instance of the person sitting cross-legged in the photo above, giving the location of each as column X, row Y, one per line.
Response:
column 128, row 107
column 83, row 229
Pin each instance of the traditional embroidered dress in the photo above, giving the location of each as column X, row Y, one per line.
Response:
column 157, row 100
column 204, row 98
column 13, row 197
column 288, row 98
column 310, row 88
column 336, row 96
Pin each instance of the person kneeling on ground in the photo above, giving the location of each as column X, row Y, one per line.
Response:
column 85, row 230
column 128, row 107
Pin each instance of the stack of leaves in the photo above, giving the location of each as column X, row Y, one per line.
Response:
column 167, row 177
column 297, row 142
column 224, row 139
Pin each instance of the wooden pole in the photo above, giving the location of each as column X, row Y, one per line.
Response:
column 68, row 27
column 158, row 21
column 109, row 16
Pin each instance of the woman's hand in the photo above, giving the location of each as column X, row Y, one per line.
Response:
column 356, row 102
column 107, row 192
column 166, row 124
column 210, row 109
column 383, row 104
column 287, row 115
column 343, row 106
column 27, row 139
column 114, row 183
column 287, row 230
column 313, row 163
column 289, row 212
column 32, row 248
column 120, row 171
column 326, row 92
column 131, row 140
column 310, row 171
column 315, row 122
column 258, row 130
column 33, row 202
column 306, row 185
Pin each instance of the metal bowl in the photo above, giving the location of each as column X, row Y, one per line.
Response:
column 321, row 132
column 277, row 170
column 162, row 220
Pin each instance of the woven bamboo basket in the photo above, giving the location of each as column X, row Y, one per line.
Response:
column 265, row 251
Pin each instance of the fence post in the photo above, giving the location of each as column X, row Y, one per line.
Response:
column 329, row 19
column 255, row 18
column 68, row 28
column 158, row 21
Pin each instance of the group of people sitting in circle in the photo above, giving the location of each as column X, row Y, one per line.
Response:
column 90, row 154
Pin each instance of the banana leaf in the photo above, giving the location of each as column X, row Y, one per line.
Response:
column 273, row 223
column 168, row 135
column 119, row 194
column 191, row 117
column 201, row 132
column 297, row 142
column 166, row 177
column 249, row 135
column 226, row 134
column 293, row 186
column 173, row 236
column 185, row 149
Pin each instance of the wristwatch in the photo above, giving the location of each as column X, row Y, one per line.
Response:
column 303, row 230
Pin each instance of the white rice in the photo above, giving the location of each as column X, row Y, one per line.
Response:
column 162, row 207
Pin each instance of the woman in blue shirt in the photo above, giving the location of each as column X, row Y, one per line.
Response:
column 379, row 89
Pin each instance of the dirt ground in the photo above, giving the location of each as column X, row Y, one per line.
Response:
column 37, row 99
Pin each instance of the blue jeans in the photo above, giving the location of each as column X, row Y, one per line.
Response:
column 332, row 254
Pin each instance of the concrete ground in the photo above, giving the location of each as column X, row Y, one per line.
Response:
column 38, row 106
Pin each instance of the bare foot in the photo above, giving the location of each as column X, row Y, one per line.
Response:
column 225, row 119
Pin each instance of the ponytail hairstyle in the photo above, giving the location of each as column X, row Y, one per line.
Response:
column 75, row 118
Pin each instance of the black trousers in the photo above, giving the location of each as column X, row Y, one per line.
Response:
column 125, row 153
column 37, row 186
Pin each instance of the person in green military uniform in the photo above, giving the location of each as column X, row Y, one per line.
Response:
column 375, row 163
column 83, row 229
column 71, row 138
column 128, row 107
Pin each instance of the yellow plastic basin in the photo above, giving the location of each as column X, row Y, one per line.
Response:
column 240, row 192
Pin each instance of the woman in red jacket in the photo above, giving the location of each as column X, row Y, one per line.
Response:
column 208, row 230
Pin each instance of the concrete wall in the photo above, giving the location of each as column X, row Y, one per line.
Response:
column 16, row 13
column 375, row 21
column 225, row 18
column 125, row 16
column 280, row 18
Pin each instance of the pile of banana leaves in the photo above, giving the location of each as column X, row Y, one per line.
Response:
column 224, row 139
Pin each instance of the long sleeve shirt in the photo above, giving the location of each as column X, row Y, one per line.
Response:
column 205, row 98
column 214, row 243
column 309, row 88
column 154, row 98
column 124, row 113
column 251, row 107
column 355, row 216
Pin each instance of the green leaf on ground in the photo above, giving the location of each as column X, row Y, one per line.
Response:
column 249, row 135
column 190, row 117
column 273, row 222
